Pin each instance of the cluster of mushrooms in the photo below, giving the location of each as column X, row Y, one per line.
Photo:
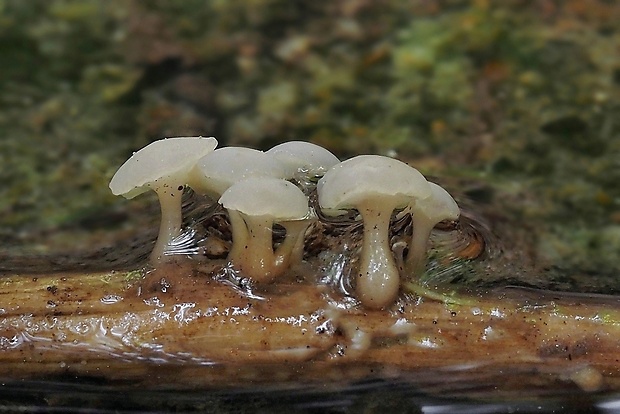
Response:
column 259, row 189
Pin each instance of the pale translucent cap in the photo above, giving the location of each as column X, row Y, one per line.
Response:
column 225, row 166
column 360, row 178
column 440, row 205
column 300, row 156
column 161, row 162
column 267, row 197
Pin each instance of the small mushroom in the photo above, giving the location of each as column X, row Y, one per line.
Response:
column 254, row 205
column 217, row 171
column 303, row 160
column 162, row 166
column 426, row 213
column 375, row 186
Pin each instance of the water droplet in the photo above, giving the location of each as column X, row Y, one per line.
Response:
column 111, row 299
column 81, row 328
column 154, row 301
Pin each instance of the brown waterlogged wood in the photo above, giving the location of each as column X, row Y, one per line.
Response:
column 175, row 325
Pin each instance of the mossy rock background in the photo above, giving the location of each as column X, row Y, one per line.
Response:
column 520, row 97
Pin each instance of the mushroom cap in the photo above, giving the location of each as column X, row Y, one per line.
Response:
column 439, row 206
column 226, row 166
column 266, row 197
column 169, row 159
column 301, row 156
column 359, row 178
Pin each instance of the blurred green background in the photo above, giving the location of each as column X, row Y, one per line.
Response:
column 520, row 96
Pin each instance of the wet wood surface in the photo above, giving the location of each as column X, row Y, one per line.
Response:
column 202, row 332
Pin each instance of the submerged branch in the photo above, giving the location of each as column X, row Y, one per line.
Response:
column 121, row 325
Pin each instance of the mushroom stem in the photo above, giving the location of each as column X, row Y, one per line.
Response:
column 254, row 257
column 252, row 250
column 415, row 263
column 239, row 236
column 171, row 219
column 292, row 248
column 379, row 280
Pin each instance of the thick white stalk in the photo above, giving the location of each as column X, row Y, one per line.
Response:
column 415, row 264
column 239, row 237
column 378, row 278
column 171, row 219
column 292, row 248
column 257, row 261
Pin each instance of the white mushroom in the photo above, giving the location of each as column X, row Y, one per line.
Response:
column 303, row 159
column 426, row 214
column 375, row 186
column 220, row 169
column 254, row 205
column 162, row 166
